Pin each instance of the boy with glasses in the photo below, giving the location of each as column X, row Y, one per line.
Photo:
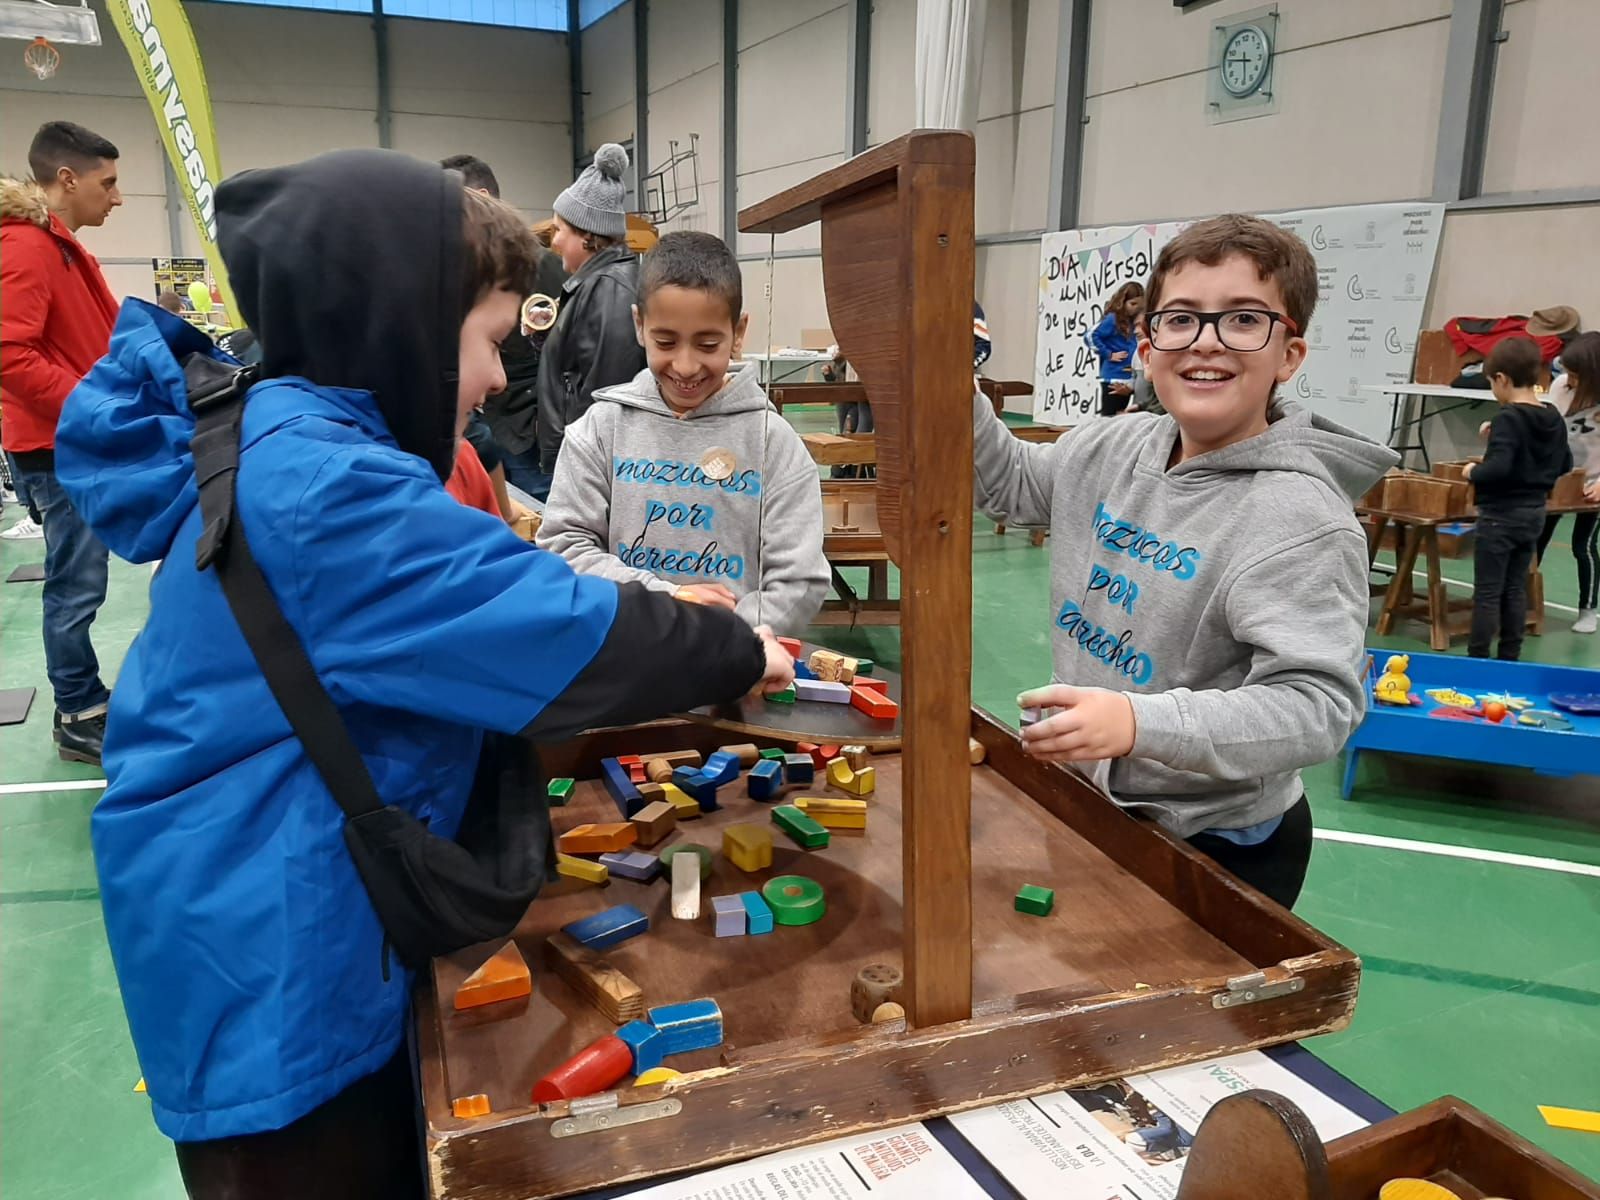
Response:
column 1208, row 575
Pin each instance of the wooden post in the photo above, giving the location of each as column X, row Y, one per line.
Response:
column 897, row 257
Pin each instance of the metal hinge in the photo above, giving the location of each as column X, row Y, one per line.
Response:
column 1251, row 988
column 596, row 1114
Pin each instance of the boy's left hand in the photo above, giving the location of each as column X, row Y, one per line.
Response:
column 1093, row 723
column 1466, row 471
column 1592, row 491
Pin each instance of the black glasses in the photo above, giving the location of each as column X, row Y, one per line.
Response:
column 1241, row 329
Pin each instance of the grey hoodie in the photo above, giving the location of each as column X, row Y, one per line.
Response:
column 1227, row 597
column 630, row 501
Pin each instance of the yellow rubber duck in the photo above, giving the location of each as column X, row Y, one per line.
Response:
column 1394, row 685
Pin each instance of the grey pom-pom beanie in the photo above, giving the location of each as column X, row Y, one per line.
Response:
column 594, row 202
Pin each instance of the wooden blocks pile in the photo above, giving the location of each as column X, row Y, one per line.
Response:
column 504, row 976
column 829, row 667
column 617, row 997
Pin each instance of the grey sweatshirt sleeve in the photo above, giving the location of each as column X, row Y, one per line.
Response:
column 577, row 516
column 1302, row 610
column 794, row 573
column 1013, row 480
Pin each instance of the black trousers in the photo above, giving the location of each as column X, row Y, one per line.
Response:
column 1110, row 403
column 361, row 1145
column 1585, row 549
column 1275, row 867
column 1506, row 541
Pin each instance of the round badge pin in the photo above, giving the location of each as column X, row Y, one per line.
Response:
column 717, row 464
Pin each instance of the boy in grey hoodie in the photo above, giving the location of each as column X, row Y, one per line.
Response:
column 686, row 479
column 1209, row 577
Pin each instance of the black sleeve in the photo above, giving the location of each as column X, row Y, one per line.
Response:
column 661, row 656
column 1500, row 454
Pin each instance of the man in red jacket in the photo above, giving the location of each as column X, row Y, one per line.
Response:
column 56, row 315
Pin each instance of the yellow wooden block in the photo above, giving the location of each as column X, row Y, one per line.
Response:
column 685, row 805
column 748, row 847
column 467, row 1107
column 581, row 868
column 833, row 813
column 826, row 665
column 1415, row 1189
column 1579, row 1119
column 657, row 1075
column 139, row 1087
column 857, row 783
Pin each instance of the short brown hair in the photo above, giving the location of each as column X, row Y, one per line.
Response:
column 1279, row 256
column 499, row 249
column 1517, row 358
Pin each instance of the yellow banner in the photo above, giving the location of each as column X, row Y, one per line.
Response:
column 167, row 61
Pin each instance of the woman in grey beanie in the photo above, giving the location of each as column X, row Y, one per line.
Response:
column 593, row 344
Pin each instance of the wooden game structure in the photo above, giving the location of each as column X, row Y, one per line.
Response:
column 1258, row 1143
column 1153, row 955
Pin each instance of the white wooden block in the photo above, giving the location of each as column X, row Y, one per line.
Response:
column 686, row 886
column 823, row 690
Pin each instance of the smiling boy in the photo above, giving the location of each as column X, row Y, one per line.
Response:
column 686, row 479
column 1208, row 575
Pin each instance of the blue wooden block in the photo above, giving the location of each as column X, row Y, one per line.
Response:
column 615, row 924
column 766, row 779
column 615, row 776
column 693, row 1025
column 757, row 912
column 645, row 1041
column 798, row 768
column 632, row 864
column 693, row 782
column 730, row 916
column 721, row 768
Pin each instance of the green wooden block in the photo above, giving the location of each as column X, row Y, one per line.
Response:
column 865, row 666
column 800, row 827
column 773, row 752
column 560, row 792
column 702, row 853
column 784, row 697
column 1036, row 900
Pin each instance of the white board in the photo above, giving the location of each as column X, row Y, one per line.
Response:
column 1374, row 263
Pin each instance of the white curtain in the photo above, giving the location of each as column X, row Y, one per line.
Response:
column 949, row 62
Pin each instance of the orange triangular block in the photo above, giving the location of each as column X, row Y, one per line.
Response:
column 503, row 977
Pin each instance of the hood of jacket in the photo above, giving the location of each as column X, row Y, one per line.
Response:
column 348, row 268
column 23, row 200
column 741, row 393
column 1296, row 440
column 122, row 445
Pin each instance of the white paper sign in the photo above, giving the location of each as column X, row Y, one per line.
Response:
column 904, row 1163
column 1374, row 266
column 1127, row 1139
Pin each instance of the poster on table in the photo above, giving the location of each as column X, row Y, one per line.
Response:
column 1374, row 266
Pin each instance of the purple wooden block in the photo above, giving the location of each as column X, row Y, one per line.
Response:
column 730, row 914
column 821, row 689
column 632, row 864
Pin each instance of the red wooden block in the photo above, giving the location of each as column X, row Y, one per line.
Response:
column 629, row 760
column 823, row 755
column 878, row 707
column 636, row 772
column 593, row 1069
column 872, row 685
column 792, row 645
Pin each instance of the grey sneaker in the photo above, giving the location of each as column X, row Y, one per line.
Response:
column 25, row 530
column 1585, row 622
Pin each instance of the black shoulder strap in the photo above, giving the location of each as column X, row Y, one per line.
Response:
column 216, row 396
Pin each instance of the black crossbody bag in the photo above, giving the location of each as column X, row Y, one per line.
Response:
column 432, row 895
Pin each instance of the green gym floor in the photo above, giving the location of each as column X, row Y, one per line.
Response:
column 1482, row 978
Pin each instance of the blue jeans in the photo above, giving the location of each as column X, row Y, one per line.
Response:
column 75, row 564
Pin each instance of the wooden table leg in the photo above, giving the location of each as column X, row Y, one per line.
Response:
column 1536, row 601
column 878, row 581
column 1375, row 533
column 1399, row 591
column 1438, row 603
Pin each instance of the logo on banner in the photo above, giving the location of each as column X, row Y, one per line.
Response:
column 1391, row 341
column 1353, row 288
column 1318, row 242
column 1302, row 386
column 1372, row 231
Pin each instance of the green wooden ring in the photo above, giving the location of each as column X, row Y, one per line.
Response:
column 672, row 852
column 794, row 899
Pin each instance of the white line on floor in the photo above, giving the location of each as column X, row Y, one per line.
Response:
column 1494, row 856
column 66, row 785
column 1461, row 583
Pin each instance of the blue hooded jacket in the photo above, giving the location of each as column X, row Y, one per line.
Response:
column 250, row 959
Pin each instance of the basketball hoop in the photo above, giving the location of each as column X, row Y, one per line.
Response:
column 40, row 57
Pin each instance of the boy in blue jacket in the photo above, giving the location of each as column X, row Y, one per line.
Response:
column 268, row 1022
